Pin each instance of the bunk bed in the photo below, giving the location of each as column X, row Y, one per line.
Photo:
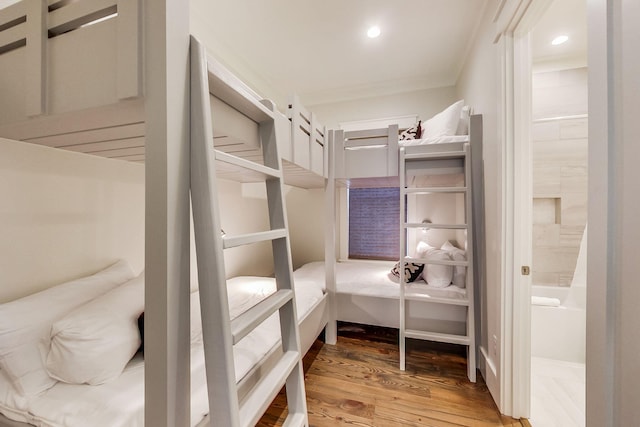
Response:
column 48, row 99
column 441, row 166
column 67, row 404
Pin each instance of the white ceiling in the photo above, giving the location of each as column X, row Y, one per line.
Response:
column 564, row 17
column 319, row 48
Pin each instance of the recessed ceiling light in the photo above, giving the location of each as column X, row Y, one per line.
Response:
column 373, row 32
column 559, row 40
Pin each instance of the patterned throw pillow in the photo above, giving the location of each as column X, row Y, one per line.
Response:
column 414, row 132
column 412, row 271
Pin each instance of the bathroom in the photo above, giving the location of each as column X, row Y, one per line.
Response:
column 559, row 167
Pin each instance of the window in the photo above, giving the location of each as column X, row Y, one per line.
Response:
column 374, row 223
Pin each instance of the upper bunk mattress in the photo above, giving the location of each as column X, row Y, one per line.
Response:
column 436, row 140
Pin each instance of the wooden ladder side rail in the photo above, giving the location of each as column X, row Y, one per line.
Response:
column 219, row 332
column 220, row 365
column 296, row 396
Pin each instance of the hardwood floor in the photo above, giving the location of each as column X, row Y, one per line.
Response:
column 358, row 383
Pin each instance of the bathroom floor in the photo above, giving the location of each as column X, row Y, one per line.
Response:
column 557, row 393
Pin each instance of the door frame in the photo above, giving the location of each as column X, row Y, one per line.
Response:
column 515, row 20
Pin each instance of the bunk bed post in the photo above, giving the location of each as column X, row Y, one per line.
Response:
column 338, row 156
column 392, row 160
column 331, row 330
column 403, row 253
column 36, row 57
column 167, row 247
column 477, row 172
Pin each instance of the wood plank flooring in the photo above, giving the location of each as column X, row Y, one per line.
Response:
column 358, row 383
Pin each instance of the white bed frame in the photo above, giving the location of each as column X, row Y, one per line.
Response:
column 374, row 163
column 53, row 97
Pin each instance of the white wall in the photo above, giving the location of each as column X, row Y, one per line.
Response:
column 425, row 103
column 559, row 160
column 243, row 209
column 201, row 28
column 64, row 215
column 613, row 336
column 478, row 85
column 306, row 215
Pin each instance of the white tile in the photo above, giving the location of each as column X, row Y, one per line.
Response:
column 545, row 131
column 574, row 128
column 557, row 393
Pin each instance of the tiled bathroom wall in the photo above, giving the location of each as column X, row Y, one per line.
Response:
column 559, row 149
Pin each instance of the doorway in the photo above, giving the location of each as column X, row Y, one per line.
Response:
column 559, row 157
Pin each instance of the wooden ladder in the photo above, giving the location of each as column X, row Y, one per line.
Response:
column 426, row 157
column 219, row 332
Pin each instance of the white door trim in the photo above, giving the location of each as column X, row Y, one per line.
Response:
column 513, row 38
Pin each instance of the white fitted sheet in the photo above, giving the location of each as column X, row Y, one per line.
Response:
column 120, row 403
column 437, row 140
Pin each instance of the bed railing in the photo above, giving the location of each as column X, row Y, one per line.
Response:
column 366, row 153
column 307, row 139
column 29, row 24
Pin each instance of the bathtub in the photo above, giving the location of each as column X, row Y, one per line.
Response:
column 559, row 332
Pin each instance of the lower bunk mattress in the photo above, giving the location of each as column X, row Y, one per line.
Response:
column 374, row 279
column 120, row 402
column 367, row 292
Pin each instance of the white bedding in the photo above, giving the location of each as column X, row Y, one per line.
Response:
column 434, row 140
column 373, row 278
column 121, row 402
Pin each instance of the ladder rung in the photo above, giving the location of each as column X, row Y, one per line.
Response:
column 260, row 397
column 294, row 420
column 436, row 336
column 435, row 261
column 250, row 319
column 247, row 164
column 435, row 226
column 417, row 296
column 249, row 238
column 427, row 190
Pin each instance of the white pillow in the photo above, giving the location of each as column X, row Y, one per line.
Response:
column 444, row 123
column 94, row 343
column 436, row 275
column 422, row 248
column 463, row 123
column 25, row 322
column 459, row 271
